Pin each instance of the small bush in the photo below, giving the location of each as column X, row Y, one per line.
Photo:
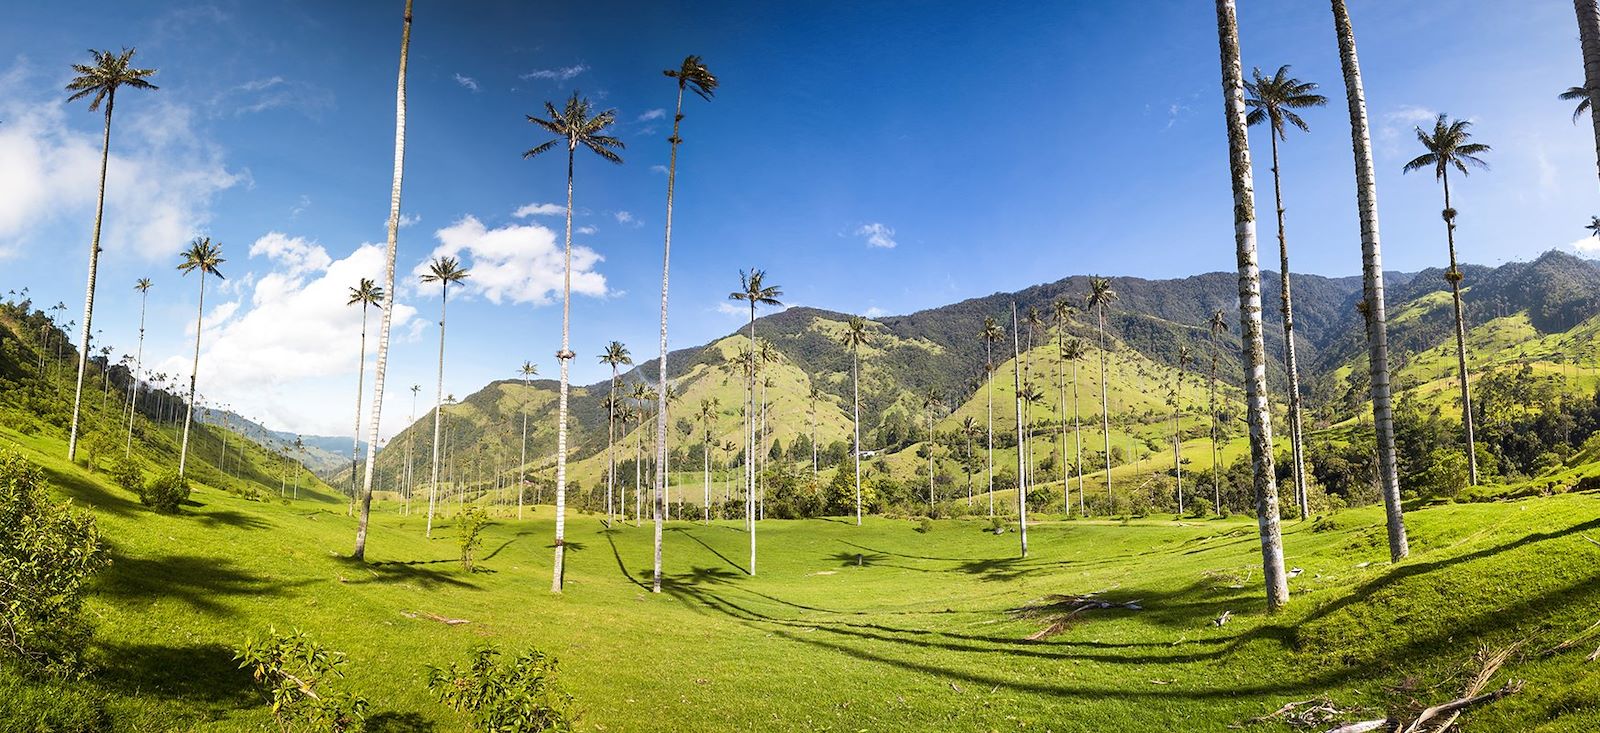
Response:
column 925, row 525
column 519, row 696
column 1199, row 507
column 126, row 474
column 165, row 492
column 48, row 551
column 298, row 673
column 996, row 525
column 472, row 522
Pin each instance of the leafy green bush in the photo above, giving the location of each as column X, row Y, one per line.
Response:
column 165, row 492
column 472, row 522
column 126, row 474
column 925, row 525
column 48, row 551
column 1199, row 507
column 519, row 696
column 298, row 674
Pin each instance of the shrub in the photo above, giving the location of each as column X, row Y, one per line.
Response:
column 165, row 492
column 472, row 522
column 48, row 551
column 1199, row 507
column 519, row 696
column 126, row 474
column 925, row 525
column 996, row 525
column 298, row 674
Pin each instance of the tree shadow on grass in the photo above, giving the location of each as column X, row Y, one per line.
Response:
column 231, row 518
column 84, row 491
column 623, row 566
column 204, row 673
column 685, row 532
column 204, row 583
column 406, row 571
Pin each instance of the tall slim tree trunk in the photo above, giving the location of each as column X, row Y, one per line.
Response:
column 1216, row 460
column 355, row 442
column 1022, row 488
column 813, row 437
column 1296, row 447
column 1453, row 276
column 750, row 444
column 1372, row 281
column 188, row 415
column 611, row 441
column 138, row 366
column 930, row 461
column 1589, row 37
column 1077, row 438
column 705, row 462
column 380, row 369
column 661, row 382
column 1061, row 414
column 1105, row 406
column 522, row 464
column 855, row 420
column 88, row 296
column 1244, row 230
column 438, row 407
column 1177, row 439
column 558, row 572
column 989, row 367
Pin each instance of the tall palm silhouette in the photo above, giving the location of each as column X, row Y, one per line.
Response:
column 615, row 356
column 99, row 81
column 1184, row 358
column 1100, row 297
column 442, row 270
column 576, row 124
column 1273, row 100
column 856, row 336
column 380, row 369
column 1073, row 351
column 202, row 256
column 1061, row 312
column 143, row 285
column 528, row 370
column 932, row 402
column 991, row 334
column 1448, row 147
column 367, row 294
column 708, row 416
column 754, row 291
column 1216, row 325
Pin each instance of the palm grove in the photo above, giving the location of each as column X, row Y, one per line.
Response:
column 1065, row 357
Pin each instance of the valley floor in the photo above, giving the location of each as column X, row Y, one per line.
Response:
column 880, row 627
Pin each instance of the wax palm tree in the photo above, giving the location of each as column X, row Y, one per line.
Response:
column 528, row 370
column 932, row 402
column 442, row 270
column 380, row 368
column 574, row 125
column 1072, row 350
column 1184, row 358
column 1217, row 324
column 1581, row 96
column 691, row 75
column 99, row 81
column 203, row 257
column 615, row 356
column 367, row 294
column 143, row 285
column 1100, row 297
column 1016, row 384
column 991, row 334
column 639, row 397
column 1593, row 226
column 708, row 414
column 855, row 336
column 969, row 430
column 1448, row 147
column 1062, row 311
column 1244, row 229
column 1372, row 305
column 813, row 393
column 754, row 291
column 1273, row 100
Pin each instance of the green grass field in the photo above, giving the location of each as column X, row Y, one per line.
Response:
column 878, row 627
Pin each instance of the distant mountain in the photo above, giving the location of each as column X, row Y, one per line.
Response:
column 323, row 454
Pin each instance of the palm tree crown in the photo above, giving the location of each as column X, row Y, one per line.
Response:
column 577, row 123
column 616, row 354
column 143, row 284
column 445, row 270
column 1275, row 98
column 1448, row 147
column 1100, row 293
column 1582, row 96
column 694, row 76
column 366, row 293
column 856, row 334
column 754, row 290
column 103, row 77
column 528, row 369
column 204, row 256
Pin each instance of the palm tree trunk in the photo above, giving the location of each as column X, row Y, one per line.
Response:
column 1454, row 277
column 557, row 575
column 1589, row 37
column 1022, row 488
column 1105, row 406
column 438, row 407
column 1372, row 281
column 1297, row 449
column 638, row 469
column 661, row 383
column 611, row 441
column 813, row 437
column 188, row 415
column 1061, row 414
column 355, row 442
column 138, row 366
column 855, row 402
column 930, row 461
column 380, row 369
column 1177, row 444
column 989, row 367
column 522, row 470
column 1216, row 460
column 1250, row 328
column 88, row 296
column 1077, row 438
column 705, row 464
column 750, row 443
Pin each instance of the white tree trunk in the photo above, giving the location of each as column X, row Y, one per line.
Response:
column 1589, row 38
column 438, row 408
column 1022, row 487
column 355, row 441
column 194, row 374
column 558, row 577
column 1290, row 363
column 1250, row 329
column 1372, row 281
column 855, row 406
column 138, row 367
column 88, row 294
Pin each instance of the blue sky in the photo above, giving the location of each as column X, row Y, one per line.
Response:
column 872, row 157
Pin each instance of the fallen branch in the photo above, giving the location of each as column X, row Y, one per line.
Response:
column 1590, row 539
column 1303, row 713
column 1063, row 610
column 1438, row 718
column 436, row 617
column 1574, row 641
column 1222, row 620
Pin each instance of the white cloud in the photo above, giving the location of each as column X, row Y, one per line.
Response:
column 729, row 308
column 653, row 114
column 564, row 73
column 275, row 92
column 663, row 171
column 161, row 180
column 1587, row 245
column 467, row 81
column 520, row 263
column 1400, row 121
column 590, row 230
column 623, row 217
column 286, row 356
column 876, row 312
column 407, row 220
column 538, row 209
column 878, row 235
